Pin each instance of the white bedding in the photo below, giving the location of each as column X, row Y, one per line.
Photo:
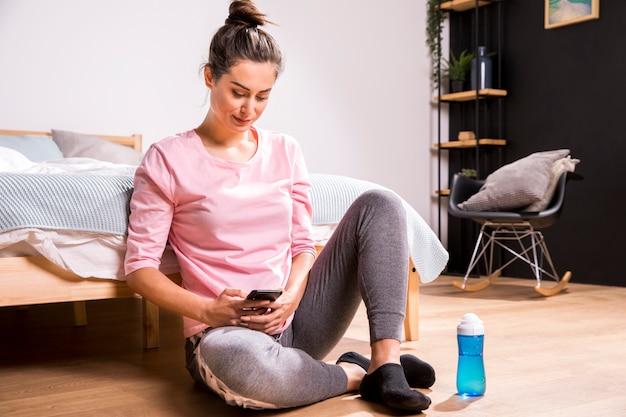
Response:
column 13, row 161
column 86, row 254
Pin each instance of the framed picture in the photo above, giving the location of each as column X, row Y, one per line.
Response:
column 567, row 12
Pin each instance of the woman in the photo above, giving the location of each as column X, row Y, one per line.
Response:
column 232, row 201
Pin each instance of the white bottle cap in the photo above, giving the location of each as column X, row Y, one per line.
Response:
column 470, row 325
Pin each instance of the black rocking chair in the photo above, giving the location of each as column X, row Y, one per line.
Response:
column 501, row 228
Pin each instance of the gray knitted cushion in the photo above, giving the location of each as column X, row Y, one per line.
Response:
column 517, row 184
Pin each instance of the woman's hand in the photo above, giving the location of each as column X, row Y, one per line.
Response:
column 275, row 315
column 279, row 311
column 232, row 308
column 229, row 308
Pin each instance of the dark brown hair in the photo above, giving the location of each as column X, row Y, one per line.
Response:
column 240, row 39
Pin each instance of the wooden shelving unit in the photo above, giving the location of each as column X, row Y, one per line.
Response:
column 471, row 95
column 478, row 25
column 465, row 144
column 462, row 5
column 458, row 144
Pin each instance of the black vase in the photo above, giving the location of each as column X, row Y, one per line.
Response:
column 481, row 64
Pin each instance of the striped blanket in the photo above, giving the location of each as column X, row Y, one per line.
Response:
column 90, row 203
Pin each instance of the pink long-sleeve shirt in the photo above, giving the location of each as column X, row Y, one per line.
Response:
column 231, row 224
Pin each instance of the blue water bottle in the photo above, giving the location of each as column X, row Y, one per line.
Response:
column 470, row 374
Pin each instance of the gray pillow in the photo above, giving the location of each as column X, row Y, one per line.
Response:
column 516, row 185
column 36, row 148
column 79, row 145
column 560, row 167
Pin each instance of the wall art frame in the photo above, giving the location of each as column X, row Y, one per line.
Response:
column 560, row 13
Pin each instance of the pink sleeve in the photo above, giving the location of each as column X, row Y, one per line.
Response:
column 302, row 209
column 151, row 212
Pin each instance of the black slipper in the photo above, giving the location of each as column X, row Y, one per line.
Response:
column 418, row 373
column 387, row 385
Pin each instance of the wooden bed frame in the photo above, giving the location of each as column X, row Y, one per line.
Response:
column 32, row 280
column 35, row 280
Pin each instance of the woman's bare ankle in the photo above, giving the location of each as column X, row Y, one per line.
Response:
column 384, row 351
column 355, row 375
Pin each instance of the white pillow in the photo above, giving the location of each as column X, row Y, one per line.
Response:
column 12, row 160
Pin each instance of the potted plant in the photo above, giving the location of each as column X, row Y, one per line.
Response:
column 434, row 27
column 469, row 173
column 457, row 69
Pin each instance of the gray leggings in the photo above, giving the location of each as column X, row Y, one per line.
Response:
column 368, row 251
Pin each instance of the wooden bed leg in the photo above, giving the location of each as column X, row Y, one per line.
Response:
column 411, row 319
column 150, row 325
column 80, row 313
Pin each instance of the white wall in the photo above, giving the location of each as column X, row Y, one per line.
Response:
column 355, row 91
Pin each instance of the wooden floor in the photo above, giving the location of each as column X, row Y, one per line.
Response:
column 558, row 356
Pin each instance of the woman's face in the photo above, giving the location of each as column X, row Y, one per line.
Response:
column 239, row 97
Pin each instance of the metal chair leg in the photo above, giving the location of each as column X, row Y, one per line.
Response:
column 476, row 257
column 533, row 253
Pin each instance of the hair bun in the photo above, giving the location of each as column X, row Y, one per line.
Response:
column 238, row 19
column 244, row 12
column 241, row 39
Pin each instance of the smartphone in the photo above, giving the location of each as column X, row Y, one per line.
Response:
column 271, row 295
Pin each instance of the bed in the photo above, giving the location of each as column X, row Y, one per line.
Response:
column 32, row 273
column 29, row 277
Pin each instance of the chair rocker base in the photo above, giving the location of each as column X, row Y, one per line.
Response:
column 560, row 286
column 531, row 250
column 481, row 285
column 465, row 286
